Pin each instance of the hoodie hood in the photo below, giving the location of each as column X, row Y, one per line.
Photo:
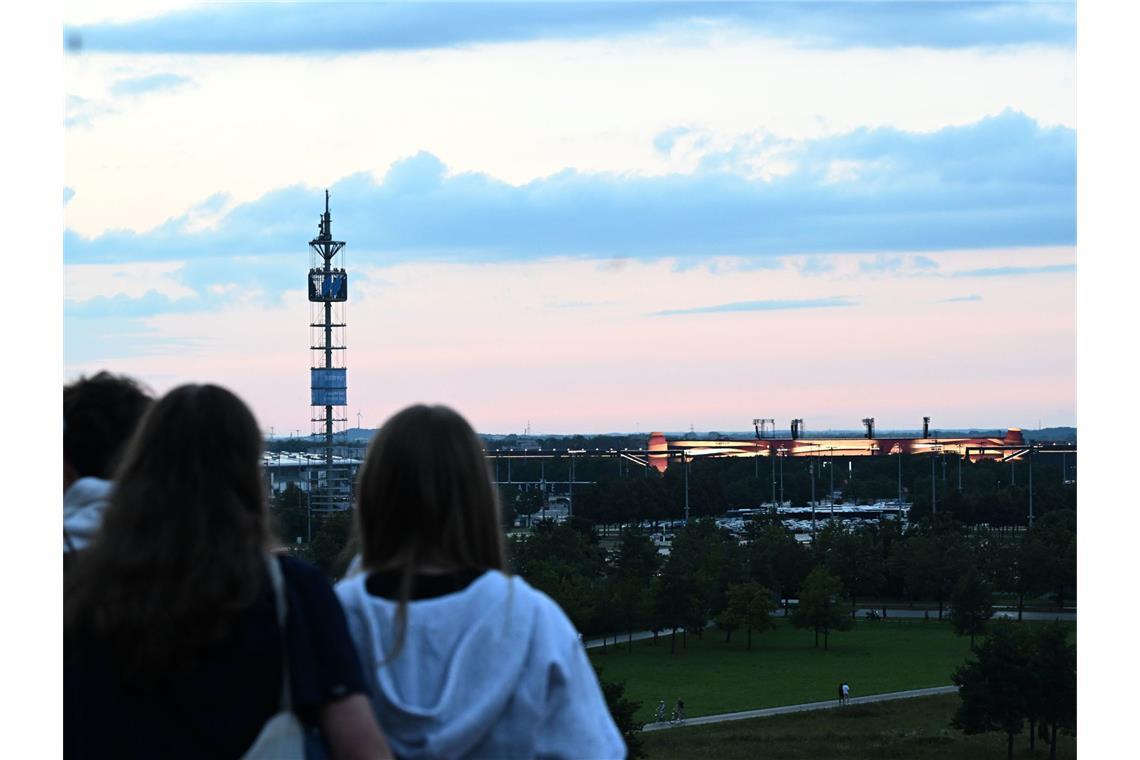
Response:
column 83, row 504
column 462, row 658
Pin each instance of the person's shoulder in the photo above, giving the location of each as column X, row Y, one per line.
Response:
column 351, row 591
column 303, row 574
column 548, row 615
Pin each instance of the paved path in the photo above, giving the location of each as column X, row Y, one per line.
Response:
column 861, row 614
column 622, row 639
column 831, row 704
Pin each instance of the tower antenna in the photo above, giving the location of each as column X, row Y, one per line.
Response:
column 330, row 488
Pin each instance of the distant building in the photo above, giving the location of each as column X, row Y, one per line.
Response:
column 305, row 471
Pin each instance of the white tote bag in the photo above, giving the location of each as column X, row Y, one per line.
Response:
column 282, row 737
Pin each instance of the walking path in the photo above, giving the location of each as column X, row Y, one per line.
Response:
column 861, row 614
column 828, row 705
column 621, row 639
column 1067, row 615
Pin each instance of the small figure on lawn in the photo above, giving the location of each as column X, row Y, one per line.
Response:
column 680, row 709
column 846, row 693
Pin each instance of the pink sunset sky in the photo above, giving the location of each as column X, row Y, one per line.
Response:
column 645, row 224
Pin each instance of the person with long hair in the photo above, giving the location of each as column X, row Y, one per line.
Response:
column 172, row 643
column 461, row 659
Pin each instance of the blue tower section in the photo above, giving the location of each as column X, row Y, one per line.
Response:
column 330, row 486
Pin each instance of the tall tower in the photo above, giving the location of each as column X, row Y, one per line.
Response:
column 330, row 486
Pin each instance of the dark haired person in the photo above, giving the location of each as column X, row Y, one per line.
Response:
column 461, row 659
column 99, row 415
column 172, row 646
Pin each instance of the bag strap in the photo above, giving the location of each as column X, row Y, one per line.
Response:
column 278, row 580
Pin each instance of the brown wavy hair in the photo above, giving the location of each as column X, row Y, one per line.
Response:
column 425, row 497
column 180, row 551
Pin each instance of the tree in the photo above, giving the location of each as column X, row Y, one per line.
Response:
column 565, row 564
column 971, row 606
column 327, row 549
column 851, row 555
column 677, row 597
column 622, row 711
column 821, row 605
column 1053, row 668
column 773, row 558
column 1051, row 548
column 749, row 604
column 700, row 566
column 634, row 568
column 933, row 557
column 289, row 515
column 733, row 615
column 994, row 688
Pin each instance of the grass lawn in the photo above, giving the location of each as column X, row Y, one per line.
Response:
column 783, row 667
column 906, row 728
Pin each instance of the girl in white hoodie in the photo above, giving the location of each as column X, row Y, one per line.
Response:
column 462, row 660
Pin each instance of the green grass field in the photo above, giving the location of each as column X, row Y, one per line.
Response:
column 905, row 729
column 783, row 667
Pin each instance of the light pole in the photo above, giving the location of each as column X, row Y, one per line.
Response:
column 772, row 456
column 831, row 480
column 900, row 480
column 1031, row 486
column 756, row 453
column 782, row 453
column 570, row 506
column 685, row 459
column 933, row 501
column 811, row 475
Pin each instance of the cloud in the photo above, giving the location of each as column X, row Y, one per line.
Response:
column 816, row 265
column 122, row 305
column 767, row 305
column 79, row 112
column 1015, row 271
column 960, row 299
column 664, row 141
column 273, row 28
column 68, row 194
column 1002, row 182
column 105, row 340
column 147, row 84
column 881, row 264
column 923, row 262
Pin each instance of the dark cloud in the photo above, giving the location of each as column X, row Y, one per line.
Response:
column 911, row 192
column 332, row 27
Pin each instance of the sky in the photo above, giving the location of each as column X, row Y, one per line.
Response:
column 583, row 217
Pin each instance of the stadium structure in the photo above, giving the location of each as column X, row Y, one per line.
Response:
column 1012, row 446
